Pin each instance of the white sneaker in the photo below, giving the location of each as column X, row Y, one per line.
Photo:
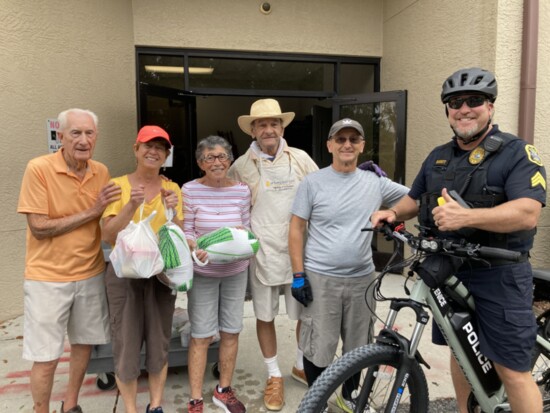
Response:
column 348, row 406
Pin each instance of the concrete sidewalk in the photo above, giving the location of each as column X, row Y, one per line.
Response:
column 249, row 378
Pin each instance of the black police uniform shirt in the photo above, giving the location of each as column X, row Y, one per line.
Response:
column 517, row 168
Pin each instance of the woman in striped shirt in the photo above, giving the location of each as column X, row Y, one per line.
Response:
column 216, row 301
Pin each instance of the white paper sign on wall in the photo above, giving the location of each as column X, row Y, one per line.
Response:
column 52, row 125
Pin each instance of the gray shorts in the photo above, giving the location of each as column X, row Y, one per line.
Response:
column 78, row 308
column 216, row 304
column 265, row 299
column 338, row 310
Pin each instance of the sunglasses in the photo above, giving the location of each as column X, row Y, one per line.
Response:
column 340, row 140
column 472, row 102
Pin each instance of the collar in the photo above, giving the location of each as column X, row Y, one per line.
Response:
column 61, row 167
column 257, row 152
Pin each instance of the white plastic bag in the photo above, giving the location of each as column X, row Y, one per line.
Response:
column 136, row 253
column 178, row 265
column 228, row 244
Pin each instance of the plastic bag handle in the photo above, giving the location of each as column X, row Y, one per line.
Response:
column 199, row 262
column 169, row 213
column 150, row 217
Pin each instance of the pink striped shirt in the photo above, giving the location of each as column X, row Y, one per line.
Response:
column 206, row 209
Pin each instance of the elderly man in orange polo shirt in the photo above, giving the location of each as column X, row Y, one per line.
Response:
column 63, row 196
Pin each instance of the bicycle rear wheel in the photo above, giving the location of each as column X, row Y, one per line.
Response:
column 372, row 370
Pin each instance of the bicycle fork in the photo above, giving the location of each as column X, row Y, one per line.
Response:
column 408, row 353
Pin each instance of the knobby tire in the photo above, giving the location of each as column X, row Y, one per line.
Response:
column 541, row 374
column 373, row 355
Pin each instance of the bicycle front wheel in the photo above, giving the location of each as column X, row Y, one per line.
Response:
column 541, row 374
column 367, row 374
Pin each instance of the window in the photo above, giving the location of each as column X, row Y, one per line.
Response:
column 239, row 73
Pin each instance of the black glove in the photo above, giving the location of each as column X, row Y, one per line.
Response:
column 371, row 166
column 301, row 290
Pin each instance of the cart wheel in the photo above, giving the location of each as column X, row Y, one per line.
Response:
column 106, row 381
column 215, row 370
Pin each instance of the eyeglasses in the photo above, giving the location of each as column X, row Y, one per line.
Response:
column 212, row 158
column 471, row 101
column 340, row 140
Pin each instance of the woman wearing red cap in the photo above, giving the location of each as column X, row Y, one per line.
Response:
column 141, row 310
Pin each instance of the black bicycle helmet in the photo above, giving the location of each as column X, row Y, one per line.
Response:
column 474, row 80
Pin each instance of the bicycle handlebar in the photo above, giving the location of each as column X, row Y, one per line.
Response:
column 499, row 253
column 431, row 244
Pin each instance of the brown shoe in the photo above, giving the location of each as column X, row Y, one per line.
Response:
column 299, row 375
column 274, row 394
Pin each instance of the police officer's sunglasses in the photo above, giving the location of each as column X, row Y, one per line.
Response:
column 471, row 101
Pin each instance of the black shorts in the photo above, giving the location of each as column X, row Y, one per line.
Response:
column 507, row 327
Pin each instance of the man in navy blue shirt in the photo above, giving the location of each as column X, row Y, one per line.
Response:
column 503, row 181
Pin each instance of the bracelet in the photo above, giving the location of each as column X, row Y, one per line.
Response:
column 393, row 210
column 299, row 273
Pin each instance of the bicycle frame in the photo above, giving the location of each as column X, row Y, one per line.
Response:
column 460, row 333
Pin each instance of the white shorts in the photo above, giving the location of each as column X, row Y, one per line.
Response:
column 265, row 299
column 53, row 308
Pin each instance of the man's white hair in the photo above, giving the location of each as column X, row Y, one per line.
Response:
column 62, row 117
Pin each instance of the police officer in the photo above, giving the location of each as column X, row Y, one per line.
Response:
column 502, row 180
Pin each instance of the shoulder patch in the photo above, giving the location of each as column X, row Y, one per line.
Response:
column 533, row 155
column 538, row 179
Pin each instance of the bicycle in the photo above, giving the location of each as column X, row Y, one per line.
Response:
column 388, row 374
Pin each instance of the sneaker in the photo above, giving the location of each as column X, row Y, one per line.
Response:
column 76, row 409
column 227, row 401
column 155, row 410
column 299, row 375
column 195, row 406
column 274, row 394
column 348, row 406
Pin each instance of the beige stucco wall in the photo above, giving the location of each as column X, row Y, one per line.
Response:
column 427, row 40
column 542, row 126
column 53, row 57
column 345, row 27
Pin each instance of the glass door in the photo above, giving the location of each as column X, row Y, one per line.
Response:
column 175, row 111
column 383, row 117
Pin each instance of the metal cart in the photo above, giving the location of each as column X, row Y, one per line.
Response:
column 102, row 364
column 101, row 361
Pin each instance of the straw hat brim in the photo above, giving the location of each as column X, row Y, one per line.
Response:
column 245, row 121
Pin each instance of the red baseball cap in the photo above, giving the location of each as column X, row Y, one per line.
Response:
column 149, row 132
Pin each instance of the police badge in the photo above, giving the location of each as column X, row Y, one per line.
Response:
column 476, row 156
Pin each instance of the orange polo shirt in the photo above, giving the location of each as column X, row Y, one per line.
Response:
column 49, row 188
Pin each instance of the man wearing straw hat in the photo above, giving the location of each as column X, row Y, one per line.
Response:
column 273, row 171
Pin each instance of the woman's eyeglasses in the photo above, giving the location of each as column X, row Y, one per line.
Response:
column 472, row 102
column 212, row 158
column 340, row 140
